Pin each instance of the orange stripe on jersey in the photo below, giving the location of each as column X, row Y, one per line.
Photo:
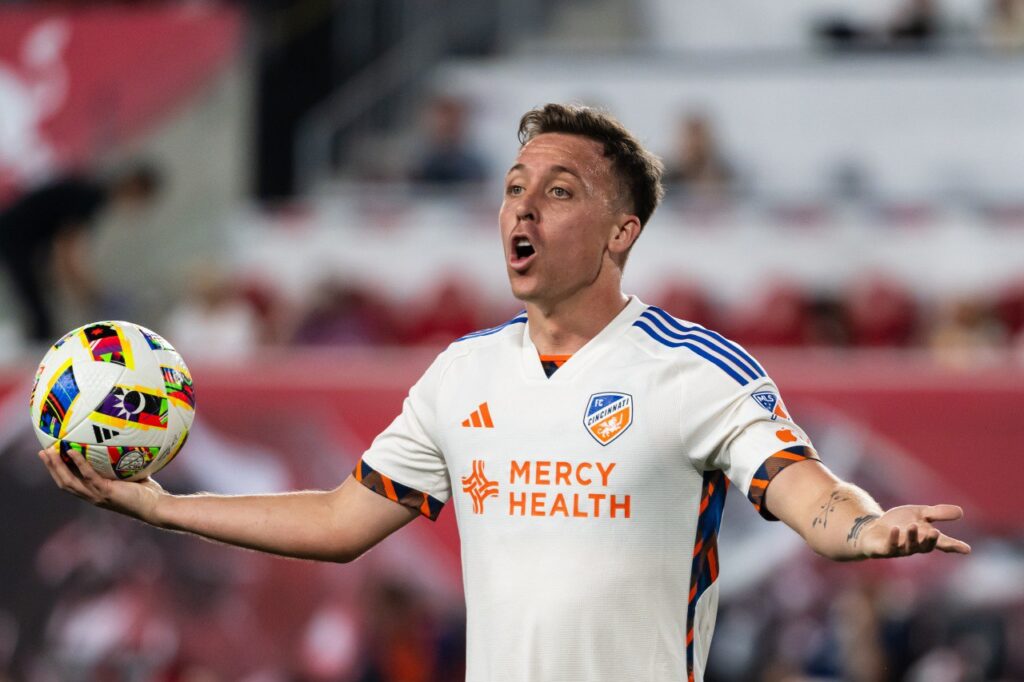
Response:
column 389, row 488
column 558, row 360
column 790, row 456
column 704, row 567
column 475, row 417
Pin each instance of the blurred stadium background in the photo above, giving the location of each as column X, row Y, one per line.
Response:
column 845, row 196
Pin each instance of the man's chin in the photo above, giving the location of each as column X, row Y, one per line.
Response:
column 522, row 288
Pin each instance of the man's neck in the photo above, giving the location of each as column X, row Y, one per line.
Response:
column 565, row 327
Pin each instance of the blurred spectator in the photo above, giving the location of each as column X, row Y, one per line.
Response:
column 881, row 313
column 827, row 322
column 778, row 317
column 215, row 320
column 448, row 157
column 452, row 313
column 967, row 331
column 916, row 24
column 687, row 301
column 1005, row 27
column 342, row 314
column 402, row 633
column 1010, row 308
column 698, row 168
column 43, row 237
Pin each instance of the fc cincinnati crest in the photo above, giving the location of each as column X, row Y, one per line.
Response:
column 608, row 416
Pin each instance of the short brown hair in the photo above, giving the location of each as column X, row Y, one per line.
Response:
column 638, row 169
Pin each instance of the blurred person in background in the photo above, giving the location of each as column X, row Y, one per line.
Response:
column 915, row 25
column 1005, row 27
column 44, row 238
column 448, row 157
column 967, row 332
column 449, row 312
column 698, row 168
column 344, row 314
column 546, row 598
column 215, row 320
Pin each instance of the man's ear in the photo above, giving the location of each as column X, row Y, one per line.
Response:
column 624, row 234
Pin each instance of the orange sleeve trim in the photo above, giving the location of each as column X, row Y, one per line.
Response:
column 425, row 504
column 769, row 469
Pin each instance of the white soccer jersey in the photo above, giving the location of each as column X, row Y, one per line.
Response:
column 588, row 503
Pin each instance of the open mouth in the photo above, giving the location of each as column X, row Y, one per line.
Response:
column 522, row 253
column 522, row 248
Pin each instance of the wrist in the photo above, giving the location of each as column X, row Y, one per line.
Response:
column 154, row 509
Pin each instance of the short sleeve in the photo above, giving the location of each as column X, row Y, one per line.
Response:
column 404, row 463
column 751, row 438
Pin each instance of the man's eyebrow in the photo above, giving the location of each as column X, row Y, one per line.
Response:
column 556, row 168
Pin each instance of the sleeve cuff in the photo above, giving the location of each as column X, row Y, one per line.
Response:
column 396, row 492
column 769, row 469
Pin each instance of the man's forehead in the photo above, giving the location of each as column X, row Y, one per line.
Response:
column 564, row 150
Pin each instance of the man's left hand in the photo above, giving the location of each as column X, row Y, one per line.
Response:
column 906, row 530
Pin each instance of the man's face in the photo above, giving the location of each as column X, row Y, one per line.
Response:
column 561, row 208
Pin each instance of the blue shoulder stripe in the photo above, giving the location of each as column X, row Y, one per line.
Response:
column 696, row 349
column 520, row 318
column 697, row 329
column 716, row 348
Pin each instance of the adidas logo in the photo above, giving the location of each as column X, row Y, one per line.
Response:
column 481, row 418
column 103, row 434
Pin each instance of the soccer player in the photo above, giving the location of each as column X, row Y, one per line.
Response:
column 587, row 445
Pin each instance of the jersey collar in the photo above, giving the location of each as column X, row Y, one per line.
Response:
column 532, row 369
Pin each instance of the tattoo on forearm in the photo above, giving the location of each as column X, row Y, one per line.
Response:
column 827, row 508
column 858, row 525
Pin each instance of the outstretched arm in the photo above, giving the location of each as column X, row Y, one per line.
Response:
column 333, row 525
column 842, row 522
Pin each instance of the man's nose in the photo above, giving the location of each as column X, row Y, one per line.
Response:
column 526, row 209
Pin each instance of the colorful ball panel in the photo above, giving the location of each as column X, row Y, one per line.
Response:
column 117, row 393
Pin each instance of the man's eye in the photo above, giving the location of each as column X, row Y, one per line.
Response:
column 514, row 190
column 560, row 192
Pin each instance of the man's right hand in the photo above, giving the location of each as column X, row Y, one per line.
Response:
column 326, row 525
column 136, row 499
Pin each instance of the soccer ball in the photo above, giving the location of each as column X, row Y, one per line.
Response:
column 117, row 393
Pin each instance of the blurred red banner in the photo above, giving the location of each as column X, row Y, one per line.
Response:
column 74, row 81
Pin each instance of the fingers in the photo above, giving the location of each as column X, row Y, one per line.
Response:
column 943, row 512
column 86, row 472
column 952, row 545
column 920, row 539
column 76, row 476
column 894, row 541
column 61, row 473
column 929, row 541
